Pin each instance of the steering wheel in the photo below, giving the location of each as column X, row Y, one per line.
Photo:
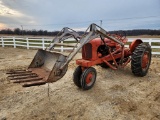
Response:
column 121, row 35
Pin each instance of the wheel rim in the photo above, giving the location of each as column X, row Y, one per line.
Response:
column 90, row 78
column 145, row 60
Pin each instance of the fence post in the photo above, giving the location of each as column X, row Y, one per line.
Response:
column 62, row 47
column 2, row 41
column 14, row 42
column 27, row 43
column 150, row 42
column 43, row 45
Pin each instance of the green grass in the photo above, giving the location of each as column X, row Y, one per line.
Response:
column 144, row 36
column 155, row 50
column 156, row 43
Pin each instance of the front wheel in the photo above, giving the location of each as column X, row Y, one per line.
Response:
column 141, row 59
column 88, row 78
column 77, row 76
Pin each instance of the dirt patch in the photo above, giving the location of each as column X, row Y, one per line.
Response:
column 117, row 95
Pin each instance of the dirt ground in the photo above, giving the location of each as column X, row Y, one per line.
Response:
column 116, row 95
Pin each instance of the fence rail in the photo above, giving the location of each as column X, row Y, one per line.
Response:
column 43, row 42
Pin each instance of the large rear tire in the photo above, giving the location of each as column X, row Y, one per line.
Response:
column 141, row 59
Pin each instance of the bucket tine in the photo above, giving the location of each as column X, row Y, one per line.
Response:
column 36, row 83
column 24, row 77
column 24, row 74
column 27, row 80
column 18, row 72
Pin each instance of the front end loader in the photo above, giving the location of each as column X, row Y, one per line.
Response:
column 98, row 47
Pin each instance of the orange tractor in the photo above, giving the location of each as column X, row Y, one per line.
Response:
column 98, row 48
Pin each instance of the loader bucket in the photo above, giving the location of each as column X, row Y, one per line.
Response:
column 44, row 68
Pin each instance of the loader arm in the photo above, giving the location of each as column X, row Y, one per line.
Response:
column 64, row 34
column 94, row 32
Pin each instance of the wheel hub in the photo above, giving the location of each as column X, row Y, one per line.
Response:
column 89, row 78
column 145, row 60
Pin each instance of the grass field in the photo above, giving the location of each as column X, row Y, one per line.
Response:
column 144, row 36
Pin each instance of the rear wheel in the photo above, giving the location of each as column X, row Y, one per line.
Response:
column 88, row 78
column 141, row 59
column 77, row 76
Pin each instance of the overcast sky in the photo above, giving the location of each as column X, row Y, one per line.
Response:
column 79, row 14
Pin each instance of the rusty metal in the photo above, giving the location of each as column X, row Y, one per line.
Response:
column 34, row 83
column 28, row 80
column 17, row 76
column 23, row 77
column 17, row 72
column 24, row 74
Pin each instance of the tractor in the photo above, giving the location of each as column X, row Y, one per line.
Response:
column 98, row 47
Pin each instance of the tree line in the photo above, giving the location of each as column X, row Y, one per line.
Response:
column 18, row 31
column 138, row 32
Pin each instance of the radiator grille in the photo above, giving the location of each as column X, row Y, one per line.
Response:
column 87, row 51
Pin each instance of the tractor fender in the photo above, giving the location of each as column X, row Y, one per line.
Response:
column 134, row 44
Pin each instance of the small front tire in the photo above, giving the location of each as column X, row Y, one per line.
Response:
column 88, row 78
column 77, row 76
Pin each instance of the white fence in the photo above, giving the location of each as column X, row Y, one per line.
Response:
column 42, row 42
